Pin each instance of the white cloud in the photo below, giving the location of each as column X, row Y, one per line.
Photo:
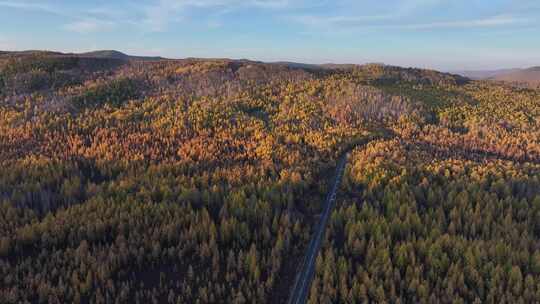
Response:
column 271, row 3
column 89, row 21
column 398, row 11
column 352, row 24
column 160, row 14
column 409, row 6
column 214, row 24
column 493, row 21
column 333, row 21
column 87, row 26
column 403, row 15
column 27, row 5
column 351, row 15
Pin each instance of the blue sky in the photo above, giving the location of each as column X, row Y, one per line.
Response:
column 440, row 34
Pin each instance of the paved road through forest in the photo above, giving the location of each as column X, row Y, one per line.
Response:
column 300, row 291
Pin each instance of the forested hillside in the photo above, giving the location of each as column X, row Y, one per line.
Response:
column 198, row 181
column 444, row 213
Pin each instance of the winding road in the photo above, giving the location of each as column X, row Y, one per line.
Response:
column 300, row 291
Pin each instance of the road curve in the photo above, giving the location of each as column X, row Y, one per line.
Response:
column 300, row 291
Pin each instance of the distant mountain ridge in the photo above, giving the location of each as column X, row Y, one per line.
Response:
column 102, row 54
column 529, row 76
column 117, row 55
column 484, row 74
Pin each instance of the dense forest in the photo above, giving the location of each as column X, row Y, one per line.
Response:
column 442, row 213
column 199, row 181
